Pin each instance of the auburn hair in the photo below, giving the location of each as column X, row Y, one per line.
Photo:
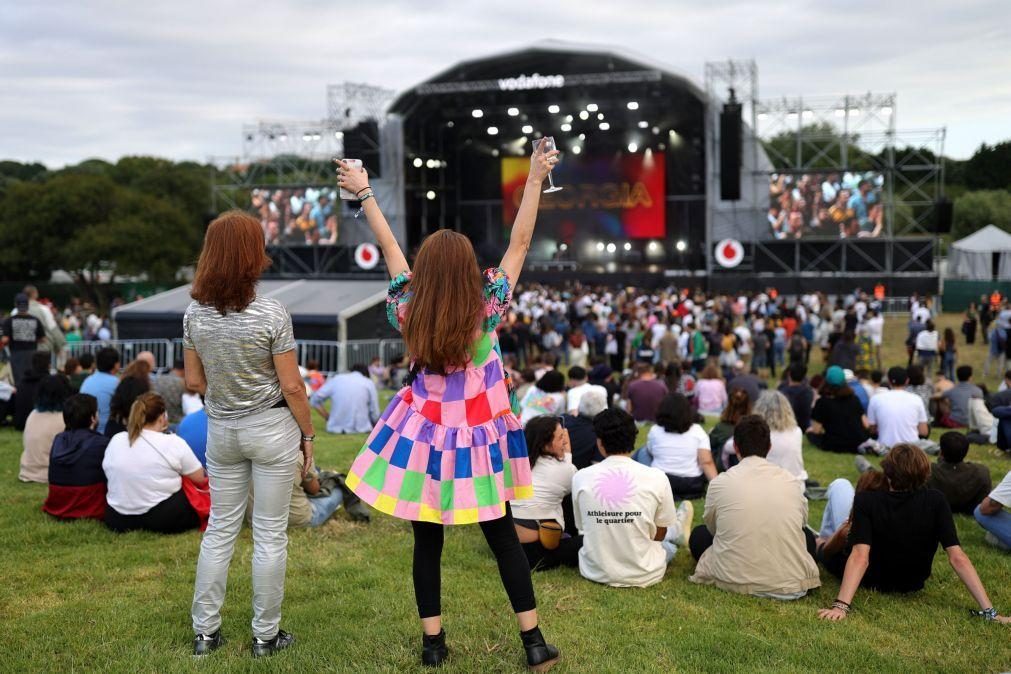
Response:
column 230, row 264
column 447, row 302
column 906, row 467
column 145, row 410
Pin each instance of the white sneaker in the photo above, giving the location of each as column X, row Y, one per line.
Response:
column 995, row 542
column 686, row 513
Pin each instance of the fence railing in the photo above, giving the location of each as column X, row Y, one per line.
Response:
column 163, row 349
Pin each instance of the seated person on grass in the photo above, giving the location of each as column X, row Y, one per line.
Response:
column 833, row 537
column 838, row 422
column 551, row 470
column 625, row 511
column 754, row 540
column 582, row 440
column 679, row 447
column 964, row 484
column 895, row 534
column 898, row 416
column 76, row 479
column 993, row 517
column 315, row 498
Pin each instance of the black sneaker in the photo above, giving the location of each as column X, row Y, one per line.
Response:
column 281, row 641
column 204, row 644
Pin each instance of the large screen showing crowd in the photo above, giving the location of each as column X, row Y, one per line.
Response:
column 296, row 216
column 826, row 205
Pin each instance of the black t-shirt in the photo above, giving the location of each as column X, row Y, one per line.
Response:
column 24, row 332
column 903, row 529
column 801, row 397
column 583, row 441
column 841, row 418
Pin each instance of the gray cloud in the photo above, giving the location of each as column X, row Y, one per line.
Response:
column 105, row 79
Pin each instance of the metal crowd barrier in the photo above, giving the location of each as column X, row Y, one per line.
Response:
column 163, row 350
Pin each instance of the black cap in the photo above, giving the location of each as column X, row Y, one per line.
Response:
column 21, row 300
column 898, row 376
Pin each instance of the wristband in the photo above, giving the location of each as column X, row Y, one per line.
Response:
column 842, row 606
column 308, row 438
column 366, row 197
column 985, row 614
column 367, row 187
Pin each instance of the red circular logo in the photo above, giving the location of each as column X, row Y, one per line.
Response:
column 367, row 255
column 729, row 253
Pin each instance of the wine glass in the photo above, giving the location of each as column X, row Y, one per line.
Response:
column 545, row 145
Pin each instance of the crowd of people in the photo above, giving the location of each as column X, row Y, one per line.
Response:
column 304, row 216
column 826, row 205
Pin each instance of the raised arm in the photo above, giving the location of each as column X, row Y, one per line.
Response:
column 526, row 217
column 356, row 181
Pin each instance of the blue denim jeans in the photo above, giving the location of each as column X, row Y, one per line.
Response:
column 840, row 503
column 998, row 524
column 325, row 506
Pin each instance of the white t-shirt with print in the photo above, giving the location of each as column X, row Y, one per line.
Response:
column 897, row 414
column 677, row 453
column 618, row 505
column 142, row 476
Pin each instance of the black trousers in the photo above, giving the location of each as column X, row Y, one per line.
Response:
column 687, row 487
column 566, row 554
column 172, row 516
column 501, row 536
column 701, row 540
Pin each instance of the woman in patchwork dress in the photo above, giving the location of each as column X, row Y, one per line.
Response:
column 448, row 449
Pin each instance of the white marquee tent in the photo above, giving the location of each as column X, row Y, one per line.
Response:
column 972, row 258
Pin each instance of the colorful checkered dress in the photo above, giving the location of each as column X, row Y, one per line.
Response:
column 448, row 449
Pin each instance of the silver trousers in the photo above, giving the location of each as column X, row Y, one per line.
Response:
column 259, row 450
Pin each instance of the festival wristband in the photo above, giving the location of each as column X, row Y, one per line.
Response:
column 367, row 187
column 985, row 614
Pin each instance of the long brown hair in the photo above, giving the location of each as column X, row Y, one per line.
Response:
column 230, row 263
column 738, row 405
column 145, row 410
column 446, row 302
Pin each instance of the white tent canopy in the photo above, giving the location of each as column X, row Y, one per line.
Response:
column 972, row 257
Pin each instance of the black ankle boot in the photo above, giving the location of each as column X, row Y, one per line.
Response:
column 433, row 649
column 541, row 656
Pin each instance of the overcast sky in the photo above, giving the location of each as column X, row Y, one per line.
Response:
column 178, row 79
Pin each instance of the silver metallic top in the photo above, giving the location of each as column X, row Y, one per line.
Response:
column 237, row 351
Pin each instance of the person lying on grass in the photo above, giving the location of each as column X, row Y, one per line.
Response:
column 895, row 534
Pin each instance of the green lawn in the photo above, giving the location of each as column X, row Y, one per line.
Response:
column 76, row 597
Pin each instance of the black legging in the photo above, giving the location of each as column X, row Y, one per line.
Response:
column 513, row 566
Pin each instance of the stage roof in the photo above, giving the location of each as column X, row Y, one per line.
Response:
column 310, row 302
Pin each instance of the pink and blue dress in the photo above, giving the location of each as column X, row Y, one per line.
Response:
column 448, row 449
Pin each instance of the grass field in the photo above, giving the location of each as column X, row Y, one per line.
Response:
column 75, row 597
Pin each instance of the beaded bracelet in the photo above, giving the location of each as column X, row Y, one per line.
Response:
column 985, row 614
column 362, row 199
column 842, row 606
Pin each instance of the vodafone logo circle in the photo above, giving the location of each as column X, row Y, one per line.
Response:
column 367, row 255
column 729, row 253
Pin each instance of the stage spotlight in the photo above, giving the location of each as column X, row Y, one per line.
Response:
column 306, row 136
column 431, row 163
column 600, row 116
column 568, row 118
column 418, row 162
column 661, row 146
column 887, row 110
column 566, row 127
column 339, row 135
column 592, row 107
column 840, row 112
column 604, row 126
column 655, row 130
column 644, row 124
column 600, row 246
column 681, row 245
column 576, row 149
column 495, row 152
column 611, row 248
column 316, row 136
column 632, row 147
column 477, row 113
column 628, row 246
column 582, row 136
column 553, row 109
column 450, row 124
column 492, row 130
column 513, row 112
column 653, row 246
column 632, row 105
column 584, row 115
column 854, row 112
column 430, row 195
column 562, row 247
column 527, row 129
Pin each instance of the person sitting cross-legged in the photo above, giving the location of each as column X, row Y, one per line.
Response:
column 963, row 483
column 625, row 511
column 754, row 540
column 679, row 447
column 993, row 517
column 354, row 401
column 894, row 535
column 898, row 416
column 76, row 479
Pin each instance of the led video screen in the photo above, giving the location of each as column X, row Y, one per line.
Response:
column 827, row 204
column 296, row 216
column 614, row 198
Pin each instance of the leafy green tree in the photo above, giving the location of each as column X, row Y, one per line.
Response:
column 974, row 210
column 989, row 168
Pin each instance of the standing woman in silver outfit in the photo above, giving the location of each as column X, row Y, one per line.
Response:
column 239, row 352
